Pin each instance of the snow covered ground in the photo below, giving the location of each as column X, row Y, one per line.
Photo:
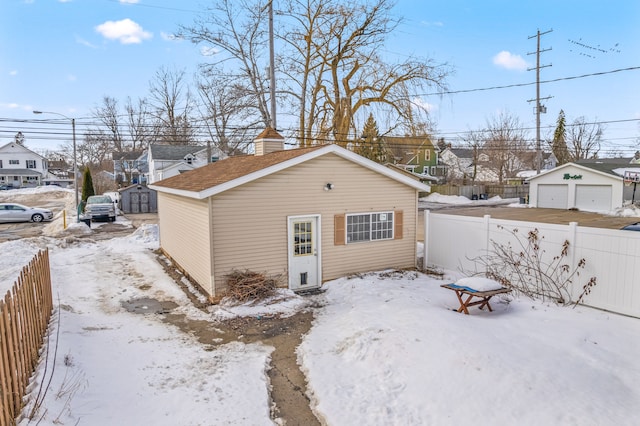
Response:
column 436, row 200
column 385, row 349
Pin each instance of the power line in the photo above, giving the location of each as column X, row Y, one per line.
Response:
column 509, row 86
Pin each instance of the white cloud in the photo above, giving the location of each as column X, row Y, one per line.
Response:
column 432, row 24
column 16, row 106
column 13, row 72
column 129, row 1
column 71, row 77
column 170, row 37
column 126, row 31
column 420, row 103
column 209, row 51
column 510, row 61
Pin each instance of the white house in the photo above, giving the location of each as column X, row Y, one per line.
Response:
column 576, row 186
column 165, row 161
column 20, row 167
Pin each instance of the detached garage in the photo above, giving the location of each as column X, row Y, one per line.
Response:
column 575, row 186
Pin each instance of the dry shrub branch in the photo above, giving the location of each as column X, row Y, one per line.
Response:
column 248, row 285
column 526, row 268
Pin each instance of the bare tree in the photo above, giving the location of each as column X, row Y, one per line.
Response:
column 473, row 140
column 108, row 115
column 171, row 103
column 234, row 30
column 334, row 74
column 338, row 73
column 583, row 139
column 128, row 130
column 92, row 151
column 226, row 112
column 140, row 124
column 504, row 142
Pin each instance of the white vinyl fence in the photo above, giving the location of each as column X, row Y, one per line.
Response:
column 612, row 256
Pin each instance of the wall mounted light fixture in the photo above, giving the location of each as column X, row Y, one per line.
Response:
column 328, row 187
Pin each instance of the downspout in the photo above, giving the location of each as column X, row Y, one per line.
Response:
column 212, row 277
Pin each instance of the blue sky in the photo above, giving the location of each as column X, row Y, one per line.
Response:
column 64, row 56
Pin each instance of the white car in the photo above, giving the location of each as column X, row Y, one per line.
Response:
column 12, row 212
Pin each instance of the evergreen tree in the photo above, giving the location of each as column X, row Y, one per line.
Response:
column 559, row 144
column 371, row 145
column 87, row 185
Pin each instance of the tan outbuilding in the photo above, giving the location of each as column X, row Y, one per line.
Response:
column 306, row 214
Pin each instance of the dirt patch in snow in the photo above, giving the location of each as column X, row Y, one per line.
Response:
column 290, row 404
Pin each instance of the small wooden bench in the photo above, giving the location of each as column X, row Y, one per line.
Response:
column 484, row 296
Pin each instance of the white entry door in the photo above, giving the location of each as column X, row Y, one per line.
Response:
column 304, row 253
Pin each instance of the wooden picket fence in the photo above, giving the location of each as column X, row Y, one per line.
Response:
column 24, row 318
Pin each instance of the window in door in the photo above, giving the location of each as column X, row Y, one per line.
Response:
column 302, row 239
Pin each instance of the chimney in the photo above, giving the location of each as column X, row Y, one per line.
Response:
column 268, row 141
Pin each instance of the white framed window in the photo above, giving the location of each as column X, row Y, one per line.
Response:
column 369, row 227
column 31, row 164
column 427, row 155
column 14, row 162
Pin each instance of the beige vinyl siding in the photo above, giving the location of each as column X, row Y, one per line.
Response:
column 250, row 222
column 184, row 235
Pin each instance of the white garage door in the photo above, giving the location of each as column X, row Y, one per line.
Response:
column 596, row 198
column 553, row 196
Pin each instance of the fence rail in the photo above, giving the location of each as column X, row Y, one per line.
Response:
column 24, row 318
column 490, row 190
column 612, row 256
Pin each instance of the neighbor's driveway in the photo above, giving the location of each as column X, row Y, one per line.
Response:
column 562, row 217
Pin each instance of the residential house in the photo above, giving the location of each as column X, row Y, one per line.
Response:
column 306, row 215
column 416, row 154
column 465, row 164
column 165, row 161
column 20, row 167
column 130, row 167
column 459, row 163
column 59, row 172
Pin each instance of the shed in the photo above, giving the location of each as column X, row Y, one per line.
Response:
column 138, row 199
column 576, row 186
column 307, row 215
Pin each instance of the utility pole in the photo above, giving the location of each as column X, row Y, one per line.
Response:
column 272, row 71
column 539, row 107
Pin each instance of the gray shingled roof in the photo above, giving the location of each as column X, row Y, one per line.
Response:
column 173, row 152
column 607, row 165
